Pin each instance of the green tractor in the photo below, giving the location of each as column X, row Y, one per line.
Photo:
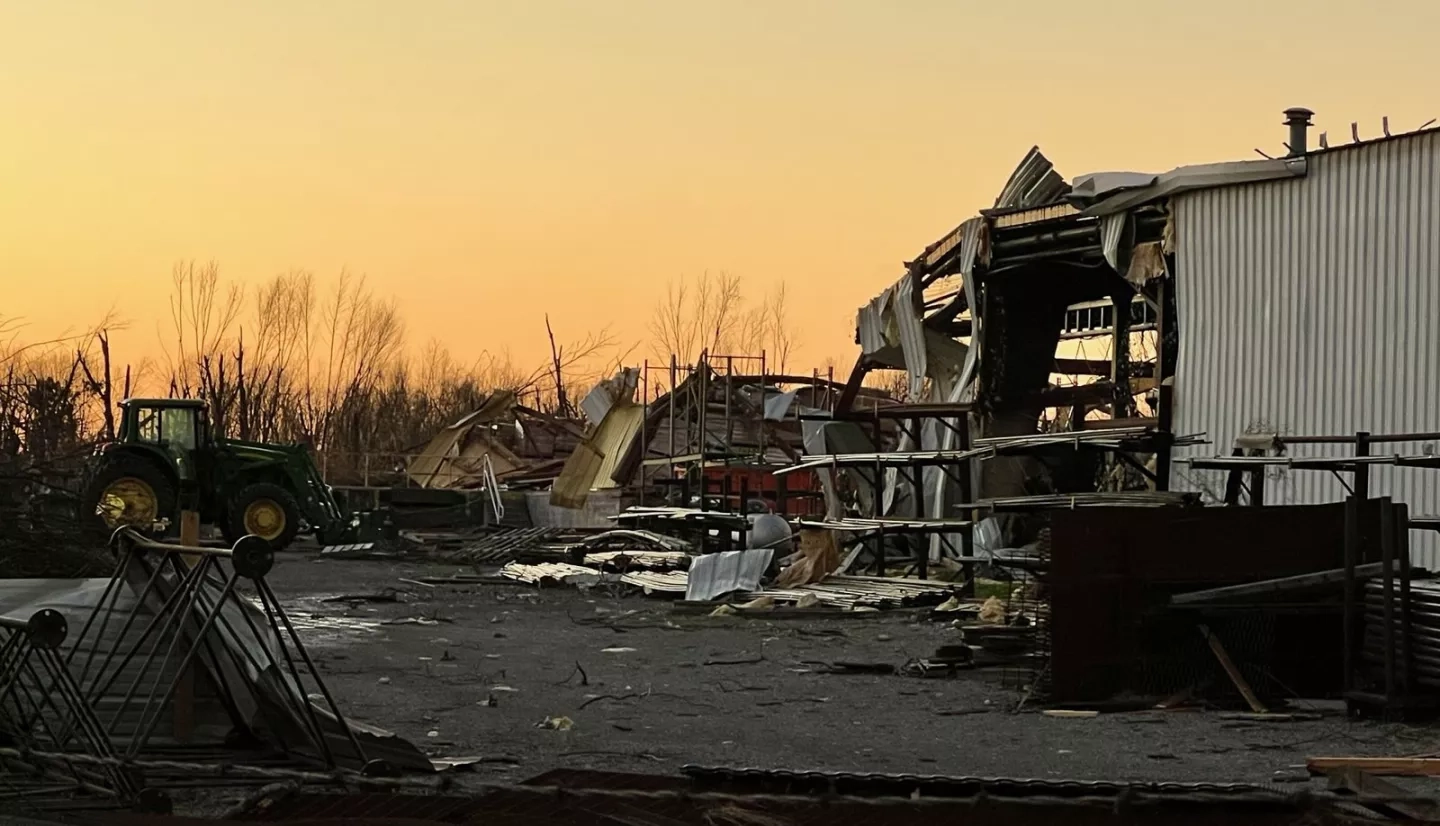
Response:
column 166, row 459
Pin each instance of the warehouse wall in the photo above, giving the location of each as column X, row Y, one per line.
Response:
column 1312, row 306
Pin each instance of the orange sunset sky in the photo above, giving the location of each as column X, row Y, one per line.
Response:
column 487, row 161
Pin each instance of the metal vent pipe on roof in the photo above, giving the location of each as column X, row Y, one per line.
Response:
column 1298, row 119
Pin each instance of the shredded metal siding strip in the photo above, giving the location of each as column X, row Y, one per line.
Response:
column 1310, row 307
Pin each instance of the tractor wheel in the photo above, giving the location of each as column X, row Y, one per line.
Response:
column 264, row 510
column 127, row 490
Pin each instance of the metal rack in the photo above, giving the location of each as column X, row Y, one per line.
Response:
column 170, row 635
column 956, row 465
column 1389, row 529
column 908, row 420
column 708, row 441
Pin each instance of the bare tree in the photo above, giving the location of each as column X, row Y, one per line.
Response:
column 202, row 318
column 555, row 386
column 712, row 316
column 699, row 318
column 295, row 361
column 99, row 382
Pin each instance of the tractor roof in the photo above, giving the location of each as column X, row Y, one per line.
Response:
column 188, row 403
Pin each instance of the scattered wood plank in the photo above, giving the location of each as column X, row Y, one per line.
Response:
column 1234, row 673
column 1271, row 717
column 183, row 706
column 1351, row 780
column 1177, row 699
column 1070, row 713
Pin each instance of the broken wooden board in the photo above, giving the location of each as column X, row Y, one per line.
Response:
column 1241, row 684
column 1353, row 781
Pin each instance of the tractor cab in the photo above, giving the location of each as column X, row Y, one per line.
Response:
column 179, row 428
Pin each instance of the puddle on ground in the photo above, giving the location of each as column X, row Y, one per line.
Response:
column 318, row 624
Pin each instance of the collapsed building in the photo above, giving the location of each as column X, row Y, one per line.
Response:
column 707, row 430
column 1277, row 305
column 1257, row 296
column 716, row 429
column 503, row 440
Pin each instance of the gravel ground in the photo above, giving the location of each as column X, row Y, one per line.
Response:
column 662, row 689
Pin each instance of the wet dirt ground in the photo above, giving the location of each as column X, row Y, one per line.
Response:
column 474, row 670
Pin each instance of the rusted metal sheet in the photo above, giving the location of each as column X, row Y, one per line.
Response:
column 1308, row 306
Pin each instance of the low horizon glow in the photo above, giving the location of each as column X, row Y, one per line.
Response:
column 486, row 163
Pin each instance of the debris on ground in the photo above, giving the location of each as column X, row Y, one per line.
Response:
column 992, row 611
column 388, row 595
column 551, row 573
column 818, row 557
column 556, row 724
column 712, row 576
column 841, row 667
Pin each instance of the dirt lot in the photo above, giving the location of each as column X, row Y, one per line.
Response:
column 665, row 690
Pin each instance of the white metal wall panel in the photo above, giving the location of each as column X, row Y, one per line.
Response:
column 1312, row 306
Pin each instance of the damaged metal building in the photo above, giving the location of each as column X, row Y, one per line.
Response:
column 1295, row 296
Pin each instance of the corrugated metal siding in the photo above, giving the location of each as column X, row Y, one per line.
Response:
column 1312, row 307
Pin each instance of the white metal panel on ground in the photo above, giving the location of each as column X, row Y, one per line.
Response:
column 1312, row 307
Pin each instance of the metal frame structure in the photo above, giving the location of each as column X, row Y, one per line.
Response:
column 197, row 616
column 1037, row 268
column 1249, row 462
column 704, row 432
column 184, row 626
column 1122, row 442
column 910, row 467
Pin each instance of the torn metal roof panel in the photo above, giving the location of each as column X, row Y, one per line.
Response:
column 1033, row 183
column 1111, row 194
column 618, row 388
